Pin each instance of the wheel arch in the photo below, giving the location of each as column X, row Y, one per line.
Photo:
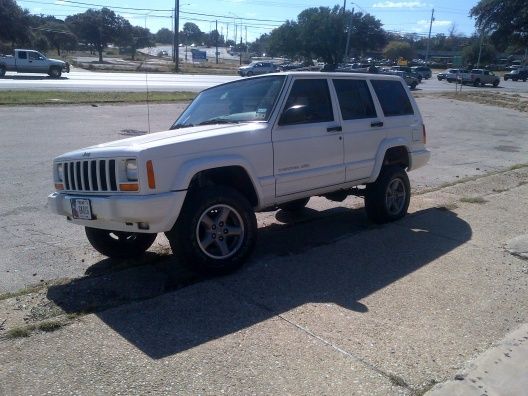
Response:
column 391, row 152
column 232, row 172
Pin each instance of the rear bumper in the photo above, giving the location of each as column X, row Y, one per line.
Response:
column 124, row 212
column 419, row 158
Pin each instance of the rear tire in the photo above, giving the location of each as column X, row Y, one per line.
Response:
column 387, row 199
column 413, row 85
column 295, row 206
column 476, row 83
column 118, row 244
column 216, row 231
column 495, row 83
column 2, row 71
column 249, row 73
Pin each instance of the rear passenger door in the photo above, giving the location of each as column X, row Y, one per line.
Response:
column 363, row 130
column 307, row 140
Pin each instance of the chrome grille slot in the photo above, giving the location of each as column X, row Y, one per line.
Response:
column 91, row 175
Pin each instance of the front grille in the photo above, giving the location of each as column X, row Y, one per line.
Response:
column 90, row 175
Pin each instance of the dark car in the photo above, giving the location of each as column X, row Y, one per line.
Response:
column 408, row 70
column 516, row 75
column 423, row 71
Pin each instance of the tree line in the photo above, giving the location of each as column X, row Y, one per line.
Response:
column 317, row 33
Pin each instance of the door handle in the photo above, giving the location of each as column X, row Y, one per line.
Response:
column 376, row 124
column 334, row 129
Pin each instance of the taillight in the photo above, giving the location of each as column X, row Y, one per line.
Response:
column 424, row 134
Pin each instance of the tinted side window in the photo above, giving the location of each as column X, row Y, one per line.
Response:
column 393, row 98
column 355, row 100
column 22, row 55
column 311, row 102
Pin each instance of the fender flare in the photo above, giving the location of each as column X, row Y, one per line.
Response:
column 385, row 145
column 190, row 168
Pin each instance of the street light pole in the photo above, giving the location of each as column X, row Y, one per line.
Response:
column 176, row 41
column 429, row 38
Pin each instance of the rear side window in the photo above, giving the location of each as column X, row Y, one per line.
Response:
column 393, row 98
column 355, row 100
column 22, row 55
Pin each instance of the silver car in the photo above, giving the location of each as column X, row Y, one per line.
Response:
column 257, row 67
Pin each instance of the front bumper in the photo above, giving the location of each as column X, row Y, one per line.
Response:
column 124, row 212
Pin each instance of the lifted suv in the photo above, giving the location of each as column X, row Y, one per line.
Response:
column 246, row 146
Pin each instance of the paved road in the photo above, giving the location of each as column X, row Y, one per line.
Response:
column 83, row 80
column 35, row 245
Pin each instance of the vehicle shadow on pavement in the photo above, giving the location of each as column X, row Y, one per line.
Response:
column 338, row 259
column 35, row 78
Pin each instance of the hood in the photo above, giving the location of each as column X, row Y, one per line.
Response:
column 180, row 141
column 56, row 61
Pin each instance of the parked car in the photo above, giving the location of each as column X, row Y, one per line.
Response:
column 242, row 147
column 479, row 77
column 451, row 75
column 423, row 71
column 410, row 80
column 30, row 61
column 516, row 74
column 255, row 68
column 409, row 70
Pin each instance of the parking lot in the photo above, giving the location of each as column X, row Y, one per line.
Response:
column 328, row 304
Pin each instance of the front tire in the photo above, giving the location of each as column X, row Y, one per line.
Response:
column 387, row 199
column 2, row 71
column 55, row 72
column 216, row 231
column 118, row 244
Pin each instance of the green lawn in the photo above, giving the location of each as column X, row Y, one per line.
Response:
column 9, row 98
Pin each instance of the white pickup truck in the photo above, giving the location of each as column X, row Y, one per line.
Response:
column 250, row 145
column 30, row 61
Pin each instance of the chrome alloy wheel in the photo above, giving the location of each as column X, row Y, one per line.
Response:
column 395, row 196
column 220, row 231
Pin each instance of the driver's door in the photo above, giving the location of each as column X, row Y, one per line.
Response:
column 308, row 140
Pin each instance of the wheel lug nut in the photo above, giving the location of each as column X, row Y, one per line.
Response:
column 213, row 236
column 213, row 227
column 221, row 238
column 221, row 224
column 225, row 231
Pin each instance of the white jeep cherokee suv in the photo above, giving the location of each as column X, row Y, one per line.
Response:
column 246, row 146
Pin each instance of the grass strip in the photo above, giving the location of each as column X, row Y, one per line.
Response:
column 13, row 98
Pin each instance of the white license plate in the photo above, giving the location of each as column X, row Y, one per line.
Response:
column 81, row 209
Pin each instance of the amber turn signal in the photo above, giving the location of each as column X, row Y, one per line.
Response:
column 129, row 187
column 150, row 175
column 59, row 186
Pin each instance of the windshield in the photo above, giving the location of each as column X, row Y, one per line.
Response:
column 239, row 101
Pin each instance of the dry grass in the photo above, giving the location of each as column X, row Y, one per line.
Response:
column 498, row 99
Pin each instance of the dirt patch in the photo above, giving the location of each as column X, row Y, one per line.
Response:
column 508, row 101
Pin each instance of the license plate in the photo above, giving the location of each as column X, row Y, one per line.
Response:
column 81, row 209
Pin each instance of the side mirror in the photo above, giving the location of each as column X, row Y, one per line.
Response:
column 294, row 115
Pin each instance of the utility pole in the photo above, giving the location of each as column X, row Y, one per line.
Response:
column 246, row 41
column 429, row 39
column 348, row 34
column 176, row 42
column 480, row 47
column 216, row 41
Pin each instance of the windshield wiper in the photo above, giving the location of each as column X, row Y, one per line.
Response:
column 179, row 126
column 218, row 121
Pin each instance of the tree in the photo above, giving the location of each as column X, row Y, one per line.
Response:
column 284, row 40
column 98, row 28
column 398, row 49
column 14, row 23
column 470, row 54
column 164, row 36
column 507, row 21
column 135, row 37
column 58, row 34
column 366, row 32
column 192, row 34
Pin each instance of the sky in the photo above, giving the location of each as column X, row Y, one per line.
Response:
column 261, row 16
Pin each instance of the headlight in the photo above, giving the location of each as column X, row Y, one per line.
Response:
column 60, row 172
column 131, row 170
